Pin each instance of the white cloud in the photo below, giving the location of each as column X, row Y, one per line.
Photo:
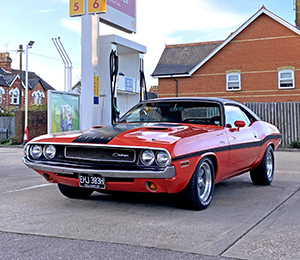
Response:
column 46, row 10
column 71, row 24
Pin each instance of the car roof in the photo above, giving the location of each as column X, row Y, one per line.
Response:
column 221, row 101
column 189, row 99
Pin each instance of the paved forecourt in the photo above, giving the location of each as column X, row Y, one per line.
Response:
column 244, row 221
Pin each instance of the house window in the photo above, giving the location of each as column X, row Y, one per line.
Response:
column 37, row 97
column 286, row 79
column 14, row 96
column 233, row 81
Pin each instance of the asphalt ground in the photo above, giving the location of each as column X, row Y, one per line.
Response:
column 244, row 221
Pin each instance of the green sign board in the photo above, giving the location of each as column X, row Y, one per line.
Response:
column 63, row 111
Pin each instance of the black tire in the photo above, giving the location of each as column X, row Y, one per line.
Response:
column 198, row 193
column 74, row 192
column 263, row 174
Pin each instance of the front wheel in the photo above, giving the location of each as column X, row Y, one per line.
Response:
column 198, row 193
column 74, row 192
column 263, row 174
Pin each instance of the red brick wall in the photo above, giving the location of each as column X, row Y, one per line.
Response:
column 40, row 88
column 262, row 49
column 30, row 98
column 37, row 124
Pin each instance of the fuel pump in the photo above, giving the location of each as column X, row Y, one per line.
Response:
column 143, row 86
column 120, row 72
column 114, row 67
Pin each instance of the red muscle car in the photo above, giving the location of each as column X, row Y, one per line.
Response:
column 173, row 145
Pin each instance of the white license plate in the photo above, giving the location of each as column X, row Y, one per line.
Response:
column 91, row 181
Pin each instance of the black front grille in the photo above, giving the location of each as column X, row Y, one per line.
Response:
column 100, row 154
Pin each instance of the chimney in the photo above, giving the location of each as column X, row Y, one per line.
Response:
column 297, row 8
column 5, row 61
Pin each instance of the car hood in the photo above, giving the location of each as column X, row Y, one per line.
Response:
column 141, row 134
column 130, row 134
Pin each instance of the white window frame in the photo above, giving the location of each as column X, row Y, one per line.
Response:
column 11, row 93
column 37, row 97
column 280, row 79
column 228, row 81
column 2, row 92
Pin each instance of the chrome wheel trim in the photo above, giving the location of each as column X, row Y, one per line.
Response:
column 204, row 181
column 269, row 165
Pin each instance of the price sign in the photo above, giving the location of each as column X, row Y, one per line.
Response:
column 96, row 90
column 76, row 7
column 96, row 6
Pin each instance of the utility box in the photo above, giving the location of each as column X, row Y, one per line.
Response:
column 130, row 56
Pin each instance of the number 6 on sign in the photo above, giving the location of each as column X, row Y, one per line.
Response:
column 96, row 6
column 76, row 7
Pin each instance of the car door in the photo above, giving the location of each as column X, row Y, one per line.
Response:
column 243, row 141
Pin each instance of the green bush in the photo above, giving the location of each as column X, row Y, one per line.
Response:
column 37, row 108
column 7, row 114
column 9, row 141
column 295, row 144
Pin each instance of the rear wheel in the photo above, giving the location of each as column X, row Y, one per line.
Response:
column 74, row 192
column 263, row 174
column 198, row 193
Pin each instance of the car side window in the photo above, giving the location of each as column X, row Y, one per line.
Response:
column 234, row 113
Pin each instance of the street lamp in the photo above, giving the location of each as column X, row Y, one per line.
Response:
column 26, row 138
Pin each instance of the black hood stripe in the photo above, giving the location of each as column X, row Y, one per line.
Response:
column 100, row 135
column 104, row 135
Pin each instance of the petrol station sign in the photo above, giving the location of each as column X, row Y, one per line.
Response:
column 121, row 14
column 76, row 8
column 96, row 6
column 79, row 7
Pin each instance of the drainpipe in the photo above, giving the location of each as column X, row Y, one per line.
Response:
column 297, row 8
column 176, row 89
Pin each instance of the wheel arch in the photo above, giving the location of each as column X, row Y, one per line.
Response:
column 272, row 145
column 266, row 147
column 214, row 160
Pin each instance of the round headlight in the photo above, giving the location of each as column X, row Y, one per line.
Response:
column 147, row 157
column 49, row 151
column 162, row 158
column 36, row 151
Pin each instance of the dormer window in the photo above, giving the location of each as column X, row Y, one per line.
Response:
column 14, row 96
column 286, row 79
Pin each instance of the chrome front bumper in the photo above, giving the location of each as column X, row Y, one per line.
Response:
column 167, row 173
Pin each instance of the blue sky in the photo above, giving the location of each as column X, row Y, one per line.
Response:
column 159, row 22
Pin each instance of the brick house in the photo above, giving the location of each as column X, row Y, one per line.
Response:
column 259, row 62
column 10, row 83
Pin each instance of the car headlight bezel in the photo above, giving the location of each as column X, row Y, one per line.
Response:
column 36, row 151
column 26, row 151
column 162, row 158
column 147, row 157
column 49, row 151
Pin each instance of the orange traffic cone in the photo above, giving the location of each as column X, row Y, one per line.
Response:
column 26, row 136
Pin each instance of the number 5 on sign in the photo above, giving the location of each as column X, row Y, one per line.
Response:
column 96, row 6
column 76, row 7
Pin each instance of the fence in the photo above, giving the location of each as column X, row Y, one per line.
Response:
column 7, row 127
column 286, row 116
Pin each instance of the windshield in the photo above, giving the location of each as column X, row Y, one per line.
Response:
column 207, row 113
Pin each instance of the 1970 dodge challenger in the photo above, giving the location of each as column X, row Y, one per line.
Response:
column 174, row 145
